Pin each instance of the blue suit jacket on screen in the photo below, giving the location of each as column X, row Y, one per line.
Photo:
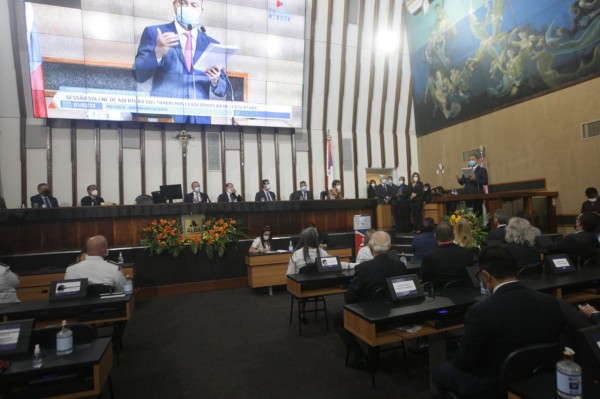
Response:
column 171, row 77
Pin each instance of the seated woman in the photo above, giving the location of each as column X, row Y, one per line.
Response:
column 365, row 252
column 371, row 190
column 305, row 252
column 336, row 190
column 263, row 243
column 427, row 193
column 8, row 282
column 462, row 234
column 520, row 242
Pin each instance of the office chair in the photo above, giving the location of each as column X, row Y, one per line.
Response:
column 309, row 269
column 528, row 362
column 323, row 195
column 454, row 283
column 526, row 270
column 291, row 196
column 82, row 334
column 143, row 199
column 97, row 289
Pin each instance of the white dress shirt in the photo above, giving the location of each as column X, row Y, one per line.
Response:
column 8, row 282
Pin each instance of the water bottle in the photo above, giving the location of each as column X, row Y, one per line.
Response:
column 403, row 258
column 128, row 287
column 64, row 340
column 120, row 259
column 291, row 247
column 481, row 287
column 262, row 199
column 37, row 357
column 568, row 377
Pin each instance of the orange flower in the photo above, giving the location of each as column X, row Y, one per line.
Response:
column 221, row 221
column 163, row 222
column 163, row 244
column 232, row 221
column 173, row 222
column 208, row 222
column 154, row 223
column 210, row 241
column 225, row 225
column 159, row 237
column 173, row 233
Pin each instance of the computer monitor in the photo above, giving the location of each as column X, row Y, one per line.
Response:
column 15, row 337
column 558, row 264
column 157, row 198
column 326, row 264
column 171, row 192
column 587, row 352
column 68, row 289
column 471, row 279
column 403, row 288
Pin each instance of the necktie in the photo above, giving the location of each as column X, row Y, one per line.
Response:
column 47, row 202
column 197, row 198
column 268, row 194
column 304, row 195
column 187, row 55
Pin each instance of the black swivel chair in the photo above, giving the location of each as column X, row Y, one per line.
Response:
column 454, row 283
column 144, row 199
column 309, row 269
column 97, row 289
column 535, row 268
column 323, row 195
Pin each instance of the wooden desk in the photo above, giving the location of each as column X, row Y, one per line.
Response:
column 495, row 202
column 309, row 285
column 385, row 220
column 33, row 285
column 267, row 270
column 93, row 360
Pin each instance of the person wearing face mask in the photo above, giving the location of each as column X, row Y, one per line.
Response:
column 371, row 190
column 43, row 199
column 591, row 204
column 265, row 194
column 427, row 193
column 167, row 54
column 93, row 199
column 512, row 317
column 336, row 190
column 583, row 244
column 474, row 184
column 263, row 243
column 402, row 213
column 415, row 200
column 196, row 196
column 95, row 268
column 382, row 191
column 303, row 194
column 230, row 194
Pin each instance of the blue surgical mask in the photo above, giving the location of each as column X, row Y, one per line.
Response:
column 471, row 163
column 188, row 16
column 196, row 189
column 268, row 186
column 304, row 188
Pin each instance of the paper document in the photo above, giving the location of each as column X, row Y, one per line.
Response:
column 468, row 172
column 216, row 55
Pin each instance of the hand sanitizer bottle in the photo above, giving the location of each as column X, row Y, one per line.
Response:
column 291, row 247
column 64, row 340
column 568, row 377
column 128, row 287
column 120, row 259
column 37, row 357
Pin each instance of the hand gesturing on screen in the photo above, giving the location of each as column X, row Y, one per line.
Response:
column 213, row 74
column 165, row 42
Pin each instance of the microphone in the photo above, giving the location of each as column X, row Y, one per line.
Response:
column 431, row 292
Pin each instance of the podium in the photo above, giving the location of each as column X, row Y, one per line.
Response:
column 494, row 201
column 385, row 220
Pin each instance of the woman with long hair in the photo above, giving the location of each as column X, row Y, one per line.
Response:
column 372, row 189
column 416, row 201
column 306, row 251
column 263, row 243
column 462, row 234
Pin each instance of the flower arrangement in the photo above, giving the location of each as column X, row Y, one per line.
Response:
column 217, row 233
column 167, row 235
column 475, row 222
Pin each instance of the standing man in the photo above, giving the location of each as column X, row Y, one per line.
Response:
column 302, row 194
column 43, row 199
column 474, row 184
column 392, row 191
column 230, row 194
column 196, row 196
column 382, row 191
column 265, row 194
column 167, row 54
column 92, row 199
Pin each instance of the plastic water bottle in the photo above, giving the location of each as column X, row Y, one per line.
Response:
column 64, row 340
column 128, row 287
column 291, row 247
column 37, row 357
column 403, row 258
column 568, row 377
column 120, row 259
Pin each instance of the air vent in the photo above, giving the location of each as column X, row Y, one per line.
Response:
column 590, row 130
column 214, row 151
column 476, row 151
column 347, row 150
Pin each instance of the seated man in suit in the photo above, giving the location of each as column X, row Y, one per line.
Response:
column 196, row 196
column 501, row 219
column 43, row 199
column 426, row 242
column 302, row 194
column 95, row 268
column 581, row 245
column 325, row 241
column 92, row 199
column 512, row 317
column 369, row 276
column 448, row 261
column 230, row 194
column 264, row 194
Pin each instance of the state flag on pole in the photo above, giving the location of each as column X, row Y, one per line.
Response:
column 329, row 163
column 485, row 188
column 36, row 69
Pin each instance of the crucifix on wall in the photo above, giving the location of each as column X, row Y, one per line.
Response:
column 183, row 138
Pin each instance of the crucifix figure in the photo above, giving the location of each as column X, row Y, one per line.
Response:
column 183, row 138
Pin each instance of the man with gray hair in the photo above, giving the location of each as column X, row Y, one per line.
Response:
column 368, row 277
column 382, row 191
column 501, row 219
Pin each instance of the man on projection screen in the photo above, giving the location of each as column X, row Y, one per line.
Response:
column 167, row 53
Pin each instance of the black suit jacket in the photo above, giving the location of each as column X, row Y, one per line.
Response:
column 297, row 195
column 225, row 197
column 37, row 200
column 445, row 263
column 189, row 197
column 392, row 190
column 2, row 203
column 371, row 275
column 524, row 254
column 89, row 201
column 324, row 238
column 580, row 247
column 382, row 192
column 513, row 317
column 475, row 186
column 261, row 194
column 497, row 234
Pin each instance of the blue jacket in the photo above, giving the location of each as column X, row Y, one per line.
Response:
column 423, row 244
column 37, row 201
column 170, row 77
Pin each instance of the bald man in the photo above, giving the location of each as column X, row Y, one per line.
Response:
column 95, row 268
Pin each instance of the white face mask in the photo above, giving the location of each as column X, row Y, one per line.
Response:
column 338, row 187
column 229, row 190
column 401, row 182
column 592, row 199
column 415, row 178
column 268, row 186
column 188, row 16
column 304, row 188
column 95, row 193
column 196, row 189
column 266, row 238
column 373, row 184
